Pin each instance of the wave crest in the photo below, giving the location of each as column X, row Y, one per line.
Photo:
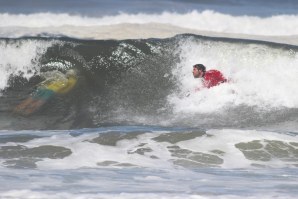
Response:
column 208, row 20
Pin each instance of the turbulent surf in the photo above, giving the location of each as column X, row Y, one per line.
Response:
column 126, row 121
column 146, row 82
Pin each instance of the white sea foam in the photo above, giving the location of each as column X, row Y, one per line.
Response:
column 166, row 24
column 206, row 20
column 20, row 56
column 25, row 194
column 79, row 176
column 86, row 154
column 259, row 76
column 94, row 155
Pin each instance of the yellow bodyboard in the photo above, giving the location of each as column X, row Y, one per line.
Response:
column 61, row 86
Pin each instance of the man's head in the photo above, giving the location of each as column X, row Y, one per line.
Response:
column 198, row 70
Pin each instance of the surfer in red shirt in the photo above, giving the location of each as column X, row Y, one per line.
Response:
column 210, row 78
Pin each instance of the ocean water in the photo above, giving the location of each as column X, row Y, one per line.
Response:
column 133, row 127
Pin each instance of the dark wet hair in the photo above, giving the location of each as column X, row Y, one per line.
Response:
column 200, row 67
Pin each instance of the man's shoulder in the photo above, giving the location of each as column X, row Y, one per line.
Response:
column 213, row 72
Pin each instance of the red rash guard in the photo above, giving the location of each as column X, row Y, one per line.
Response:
column 213, row 78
